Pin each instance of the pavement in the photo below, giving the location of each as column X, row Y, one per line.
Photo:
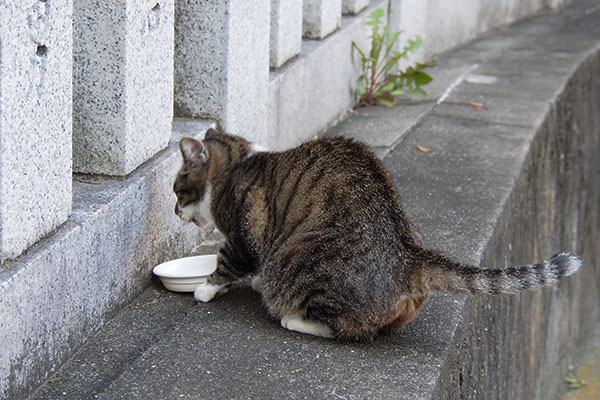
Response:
column 495, row 149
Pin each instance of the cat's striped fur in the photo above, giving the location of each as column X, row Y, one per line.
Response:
column 321, row 229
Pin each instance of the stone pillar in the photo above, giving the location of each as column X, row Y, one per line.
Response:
column 353, row 7
column 35, row 121
column 410, row 17
column 222, row 63
column 321, row 17
column 286, row 31
column 123, row 83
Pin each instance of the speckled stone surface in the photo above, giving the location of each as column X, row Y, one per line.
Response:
column 354, row 6
column 35, row 121
column 321, row 17
column 123, row 83
column 286, row 31
column 222, row 63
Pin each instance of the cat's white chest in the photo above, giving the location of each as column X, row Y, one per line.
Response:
column 204, row 207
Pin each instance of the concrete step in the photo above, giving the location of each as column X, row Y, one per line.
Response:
column 511, row 178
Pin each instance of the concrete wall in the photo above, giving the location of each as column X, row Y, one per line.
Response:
column 555, row 205
column 446, row 24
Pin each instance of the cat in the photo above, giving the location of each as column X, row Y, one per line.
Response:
column 321, row 230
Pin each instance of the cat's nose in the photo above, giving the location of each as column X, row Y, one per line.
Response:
column 177, row 209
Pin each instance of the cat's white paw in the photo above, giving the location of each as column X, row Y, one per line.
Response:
column 295, row 322
column 256, row 283
column 205, row 292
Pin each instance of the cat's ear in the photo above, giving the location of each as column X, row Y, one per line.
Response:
column 211, row 132
column 193, row 150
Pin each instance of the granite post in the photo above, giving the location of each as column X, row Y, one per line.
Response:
column 35, row 121
column 353, row 7
column 321, row 17
column 286, row 31
column 123, row 83
column 222, row 63
column 410, row 17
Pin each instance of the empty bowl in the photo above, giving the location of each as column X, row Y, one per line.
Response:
column 185, row 274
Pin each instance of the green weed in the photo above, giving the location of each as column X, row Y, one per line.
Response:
column 382, row 78
column 575, row 383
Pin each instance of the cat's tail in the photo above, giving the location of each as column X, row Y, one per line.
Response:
column 439, row 273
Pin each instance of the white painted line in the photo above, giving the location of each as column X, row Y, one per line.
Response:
column 457, row 82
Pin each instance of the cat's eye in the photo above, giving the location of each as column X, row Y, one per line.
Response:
column 183, row 200
column 185, row 197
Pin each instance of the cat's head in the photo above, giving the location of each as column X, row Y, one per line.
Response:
column 191, row 184
column 202, row 161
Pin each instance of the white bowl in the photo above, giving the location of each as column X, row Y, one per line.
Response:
column 185, row 274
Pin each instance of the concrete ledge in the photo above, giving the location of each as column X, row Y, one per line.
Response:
column 513, row 181
column 530, row 340
column 61, row 290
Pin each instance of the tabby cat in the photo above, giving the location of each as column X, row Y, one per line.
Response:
column 321, row 230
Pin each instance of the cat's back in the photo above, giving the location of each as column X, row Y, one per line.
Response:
column 333, row 151
column 324, row 184
column 336, row 159
column 348, row 170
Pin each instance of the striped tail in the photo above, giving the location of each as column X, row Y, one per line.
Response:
column 442, row 274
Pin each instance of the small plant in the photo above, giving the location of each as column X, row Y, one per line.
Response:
column 382, row 79
column 575, row 383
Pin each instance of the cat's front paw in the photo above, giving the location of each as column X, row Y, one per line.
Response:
column 205, row 292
